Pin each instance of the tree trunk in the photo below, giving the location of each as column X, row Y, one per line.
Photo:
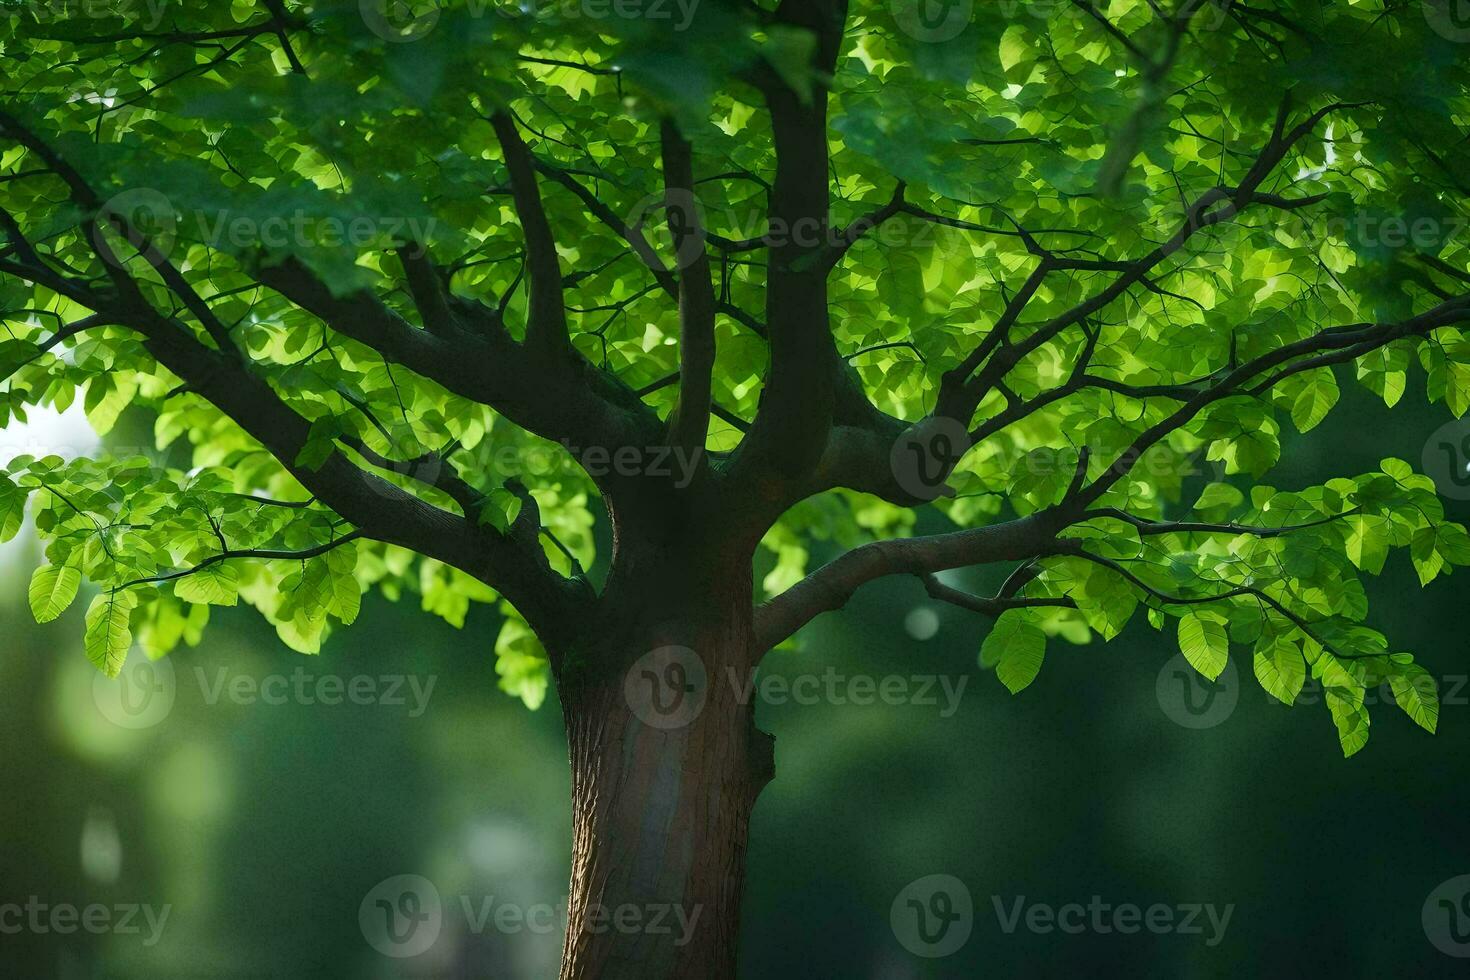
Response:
column 666, row 767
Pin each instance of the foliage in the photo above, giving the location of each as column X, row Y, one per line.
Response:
column 1123, row 246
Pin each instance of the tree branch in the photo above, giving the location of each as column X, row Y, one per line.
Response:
column 254, row 553
column 831, row 586
column 546, row 327
column 689, row 423
column 988, row 606
column 790, row 431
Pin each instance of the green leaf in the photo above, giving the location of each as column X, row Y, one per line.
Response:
column 14, row 354
column 346, row 597
column 500, row 509
column 12, row 508
column 1218, row 496
column 1351, row 719
column 1280, row 668
column 1204, row 643
column 1014, row 48
column 108, row 633
column 1015, row 646
column 320, row 443
column 1367, row 542
column 1415, row 690
column 521, row 663
column 1315, row 400
column 53, row 587
column 213, row 585
column 166, row 622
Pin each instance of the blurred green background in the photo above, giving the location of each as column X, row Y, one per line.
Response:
column 263, row 826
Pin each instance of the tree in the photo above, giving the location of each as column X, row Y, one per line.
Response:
column 428, row 299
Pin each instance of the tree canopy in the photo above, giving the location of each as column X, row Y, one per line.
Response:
column 416, row 295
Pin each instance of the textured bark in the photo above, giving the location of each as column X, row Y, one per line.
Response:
column 666, row 767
